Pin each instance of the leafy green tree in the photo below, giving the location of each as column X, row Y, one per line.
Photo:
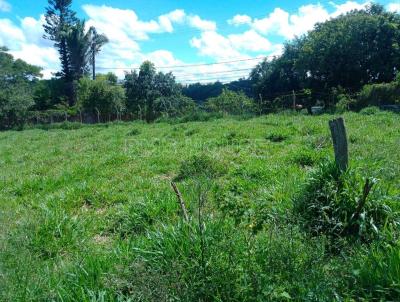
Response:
column 201, row 92
column 350, row 51
column 17, row 80
column 145, row 87
column 49, row 93
column 277, row 77
column 230, row 102
column 101, row 98
column 359, row 48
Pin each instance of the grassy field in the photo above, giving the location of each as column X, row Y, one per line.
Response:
column 87, row 213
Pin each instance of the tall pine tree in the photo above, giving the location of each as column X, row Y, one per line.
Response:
column 59, row 20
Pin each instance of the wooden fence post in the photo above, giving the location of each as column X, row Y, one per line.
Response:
column 339, row 137
column 180, row 201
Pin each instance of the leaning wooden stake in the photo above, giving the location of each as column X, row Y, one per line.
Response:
column 181, row 201
column 339, row 137
column 367, row 189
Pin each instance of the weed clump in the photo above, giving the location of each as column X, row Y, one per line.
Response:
column 304, row 158
column 132, row 220
column 62, row 126
column 376, row 273
column 192, row 132
column 370, row 110
column 200, row 166
column 133, row 132
column 334, row 204
column 277, row 137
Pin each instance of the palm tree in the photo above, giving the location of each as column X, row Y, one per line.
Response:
column 83, row 48
column 78, row 49
column 97, row 41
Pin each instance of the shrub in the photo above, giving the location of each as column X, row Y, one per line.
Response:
column 200, row 166
column 48, row 93
column 174, row 106
column 378, row 95
column 101, row 97
column 14, row 105
column 328, row 203
column 229, row 102
column 370, row 110
column 17, row 79
column 344, row 103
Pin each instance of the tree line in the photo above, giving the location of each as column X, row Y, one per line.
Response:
column 346, row 63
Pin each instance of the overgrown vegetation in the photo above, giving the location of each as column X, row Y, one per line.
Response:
column 340, row 205
column 88, row 213
column 314, row 70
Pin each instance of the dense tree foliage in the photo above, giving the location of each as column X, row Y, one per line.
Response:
column 49, row 93
column 201, row 92
column 145, row 87
column 174, row 106
column 362, row 47
column 59, row 19
column 229, row 102
column 101, row 97
column 347, row 52
column 17, row 80
column 347, row 63
column 76, row 46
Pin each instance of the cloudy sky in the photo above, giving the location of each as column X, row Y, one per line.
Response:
column 235, row 34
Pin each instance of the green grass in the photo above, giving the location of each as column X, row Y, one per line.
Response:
column 87, row 213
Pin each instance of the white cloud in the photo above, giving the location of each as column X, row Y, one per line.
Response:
column 240, row 20
column 286, row 25
column 10, row 35
column 124, row 23
column 176, row 16
column 5, row 6
column 348, row 7
column 394, row 7
column 214, row 45
column 251, row 41
column 204, row 25
column 25, row 42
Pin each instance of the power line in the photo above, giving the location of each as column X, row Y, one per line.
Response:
column 213, row 72
column 189, row 65
column 213, row 79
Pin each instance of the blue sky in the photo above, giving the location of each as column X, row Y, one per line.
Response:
column 175, row 33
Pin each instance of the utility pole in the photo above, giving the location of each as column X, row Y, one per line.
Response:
column 294, row 101
column 94, row 61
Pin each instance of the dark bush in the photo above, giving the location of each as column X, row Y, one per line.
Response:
column 277, row 137
column 378, row 95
